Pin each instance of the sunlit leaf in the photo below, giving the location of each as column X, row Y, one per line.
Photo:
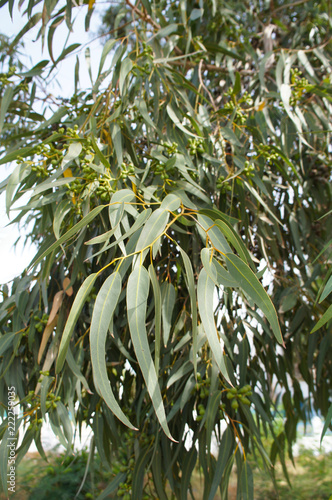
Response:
column 205, row 298
column 75, row 311
column 251, row 286
column 105, row 305
column 137, row 295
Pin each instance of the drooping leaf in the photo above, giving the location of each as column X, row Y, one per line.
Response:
column 75, row 311
column 327, row 290
column 157, row 301
column 137, row 296
column 189, row 277
column 153, row 229
column 253, row 288
column 105, row 305
column 205, row 298
column 247, row 482
column 74, row 230
column 168, row 302
column 225, row 450
column 324, row 319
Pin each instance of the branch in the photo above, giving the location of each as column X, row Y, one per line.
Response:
column 149, row 19
column 209, row 67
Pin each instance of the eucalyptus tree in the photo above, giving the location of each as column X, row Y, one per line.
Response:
column 195, row 169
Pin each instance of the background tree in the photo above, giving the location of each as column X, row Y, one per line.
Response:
column 200, row 154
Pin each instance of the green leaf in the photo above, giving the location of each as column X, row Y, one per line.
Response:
column 139, row 473
column 61, row 211
column 24, row 152
column 327, row 423
column 73, row 152
column 218, row 240
column 189, row 462
column 249, row 283
column 137, row 296
column 153, row 229
column 167, row 30
column 126, row 67
column 5, row 102
column 6, row 341
column 113, row 486
column 37, row 70
column 247, row 482
column 157, row 315
column 235, row 240
column 225, row 450
column 76, row 370
column 157, row 471
column 237, row 84
column 168, row 301
column 327, row 290
column 223, row 277
column 51, row 30
column 106, row 50
column 65, row 52
column 30, row 24
column 75, row 311
column 99, row 153
column 141, row 104
column 45, row 384
column 103, row 311
column 183, row 370
column 324, row 319
column 171, row 113
column 117, row 142
column 141, row 218
column 171, row 202
column 83, row 223
column 4, row 460
column 190, row 281
column 206, row 258
column 205, row 298
column 45, row 186
column 261, row 201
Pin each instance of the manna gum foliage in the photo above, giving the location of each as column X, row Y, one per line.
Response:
column 154, row 200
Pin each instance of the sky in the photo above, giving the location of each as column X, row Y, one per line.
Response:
column 13, row 261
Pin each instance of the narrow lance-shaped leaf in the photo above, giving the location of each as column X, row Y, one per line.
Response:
column 126, row 67
column 324, row 319
column 77, row 370
column 189, row 276
column 225, row 449
column 168, row 302
column 153, row 229
column 327, row 290
column 249, row 283
column 327, row 423
column 137, row 296
column 218, row 240
column 82, row 223
column 75, row 311
column 103, row 311
column 106, row 49
column 205, row 297
column 247, row 482
column 74, row 151
column 157, row 320
column 5, row 102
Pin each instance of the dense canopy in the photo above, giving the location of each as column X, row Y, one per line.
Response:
column 181, row 211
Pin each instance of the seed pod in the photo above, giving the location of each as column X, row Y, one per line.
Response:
column 235, row 404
